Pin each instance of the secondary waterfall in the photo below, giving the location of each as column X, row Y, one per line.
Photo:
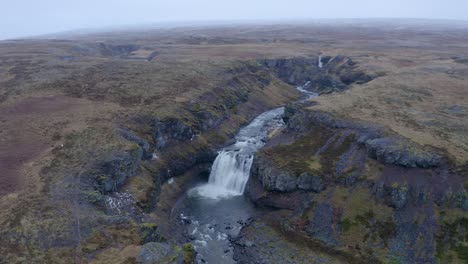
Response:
column 231, row 168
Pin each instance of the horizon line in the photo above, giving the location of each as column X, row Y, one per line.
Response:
column 221, row 22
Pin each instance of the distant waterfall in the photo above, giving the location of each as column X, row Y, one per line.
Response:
column 231, row 169
column 320, row 64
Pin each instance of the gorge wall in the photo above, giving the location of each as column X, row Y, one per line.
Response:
column 359, row 189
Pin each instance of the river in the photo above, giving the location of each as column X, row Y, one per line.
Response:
column 217, row 210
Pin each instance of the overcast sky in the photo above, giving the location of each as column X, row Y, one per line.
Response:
column 20, row 18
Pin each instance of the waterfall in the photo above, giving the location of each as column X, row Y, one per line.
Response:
column 231, row 168
column 320, row 64
column 231, row 171
column 229, row 174
column 216, row 210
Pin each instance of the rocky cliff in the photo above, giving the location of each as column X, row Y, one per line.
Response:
column 104, row 183
column 320, row 74
column 362, row 190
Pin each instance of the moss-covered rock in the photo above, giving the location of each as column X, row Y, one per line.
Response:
column 110, row 174
column 148, row 233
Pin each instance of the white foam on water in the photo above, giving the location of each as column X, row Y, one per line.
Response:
column 231, row 168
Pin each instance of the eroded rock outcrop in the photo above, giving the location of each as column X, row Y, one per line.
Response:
column 170, row 129
column 358, row 189
column 110, row 174
column 322, row 74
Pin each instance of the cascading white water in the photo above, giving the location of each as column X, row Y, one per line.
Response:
column 320, row 64
column 231, row 169
column 211, row 222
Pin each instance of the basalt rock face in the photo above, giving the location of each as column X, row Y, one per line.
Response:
column 170, row 129
column 144, row 145
column 357, row 189
column 274, row 179
column 309, row 182
column 391, row 151
column 110, row 174
column 334, row 74
column 388, row 149
column 105, row 49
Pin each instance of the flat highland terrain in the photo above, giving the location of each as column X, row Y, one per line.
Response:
column 65, row 100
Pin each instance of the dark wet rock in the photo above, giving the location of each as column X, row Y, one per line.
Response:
column 121, row 50
column 309, row 182
column 337, row 73
column 206, row 119
column 393, row 151
column 130, row 136
column 110, row 174
column 295, row 71
column 170, row 129
column 273, row 179
column 177, row 165
column 386, row 149
column 149, row 233
column 300, row 120
column 400, row 186
column 282, row 181
column 274, row 199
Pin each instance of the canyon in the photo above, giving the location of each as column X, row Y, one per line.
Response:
column 294, row 143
